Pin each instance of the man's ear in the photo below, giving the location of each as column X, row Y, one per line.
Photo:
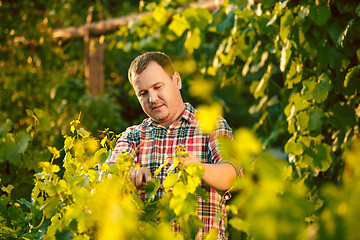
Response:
column 177, row 79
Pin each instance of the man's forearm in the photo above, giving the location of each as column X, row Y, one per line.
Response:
column 219, row 176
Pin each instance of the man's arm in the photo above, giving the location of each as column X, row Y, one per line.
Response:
column 218, row 175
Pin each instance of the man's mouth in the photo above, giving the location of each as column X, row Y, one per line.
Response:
column 156, row 107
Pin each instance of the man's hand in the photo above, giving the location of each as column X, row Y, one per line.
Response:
column 190, row 159
column 218, row 175
column 139, row 177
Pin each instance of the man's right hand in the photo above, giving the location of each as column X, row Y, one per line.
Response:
column 140, row 176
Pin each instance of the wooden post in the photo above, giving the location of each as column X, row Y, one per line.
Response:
column 93, row 60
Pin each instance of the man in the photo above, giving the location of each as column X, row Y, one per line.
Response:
column 171, row 123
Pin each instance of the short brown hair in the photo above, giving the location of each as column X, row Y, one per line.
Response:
column 142, row 61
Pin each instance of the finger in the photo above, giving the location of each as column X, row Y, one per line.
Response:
column 147, row 175
column 138, row 178
column 133, row 176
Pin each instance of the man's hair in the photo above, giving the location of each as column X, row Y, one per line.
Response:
column 142, row 61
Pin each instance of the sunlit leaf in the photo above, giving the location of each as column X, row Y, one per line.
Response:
column 208, row 116
column 193, row 40
column 54, row 151
column 285, row 54
column 294, row 147
column 213, row 234
column 170, row 181
column 201, row 88
column 179, row 24
column 285, row 25
column 303, row 120
column 197, row 17
column 239, row 224
column 352, row 75
column 179, row 190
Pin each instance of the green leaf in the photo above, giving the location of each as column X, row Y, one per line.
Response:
column 308, row 88
column 218, row 216
column 5, row 128
column 222, row 20
column 315, row 121
column 202, row 193
column 322, row 88
column 152, row 187
column 337, row 59
column 323, row 157
column 342, row 116
column 44, row 119
column 319, row 14
column 22, row 140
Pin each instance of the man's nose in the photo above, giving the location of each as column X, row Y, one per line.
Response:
column 152, row 97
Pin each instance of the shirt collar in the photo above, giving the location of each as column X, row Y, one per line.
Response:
column 189, row 113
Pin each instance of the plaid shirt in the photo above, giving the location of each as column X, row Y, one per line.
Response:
column 150, row 145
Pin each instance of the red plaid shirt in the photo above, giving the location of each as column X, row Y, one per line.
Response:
column 150, row 145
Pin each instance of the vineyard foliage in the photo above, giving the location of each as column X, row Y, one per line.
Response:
column 285, row 74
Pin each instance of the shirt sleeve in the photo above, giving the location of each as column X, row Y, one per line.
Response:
column 125, row 144
column 223, row 130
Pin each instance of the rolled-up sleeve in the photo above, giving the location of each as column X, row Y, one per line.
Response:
column 223, row 130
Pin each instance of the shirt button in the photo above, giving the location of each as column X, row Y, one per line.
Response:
column 168, row 131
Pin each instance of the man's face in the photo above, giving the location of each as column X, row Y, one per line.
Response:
column 159, row 94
